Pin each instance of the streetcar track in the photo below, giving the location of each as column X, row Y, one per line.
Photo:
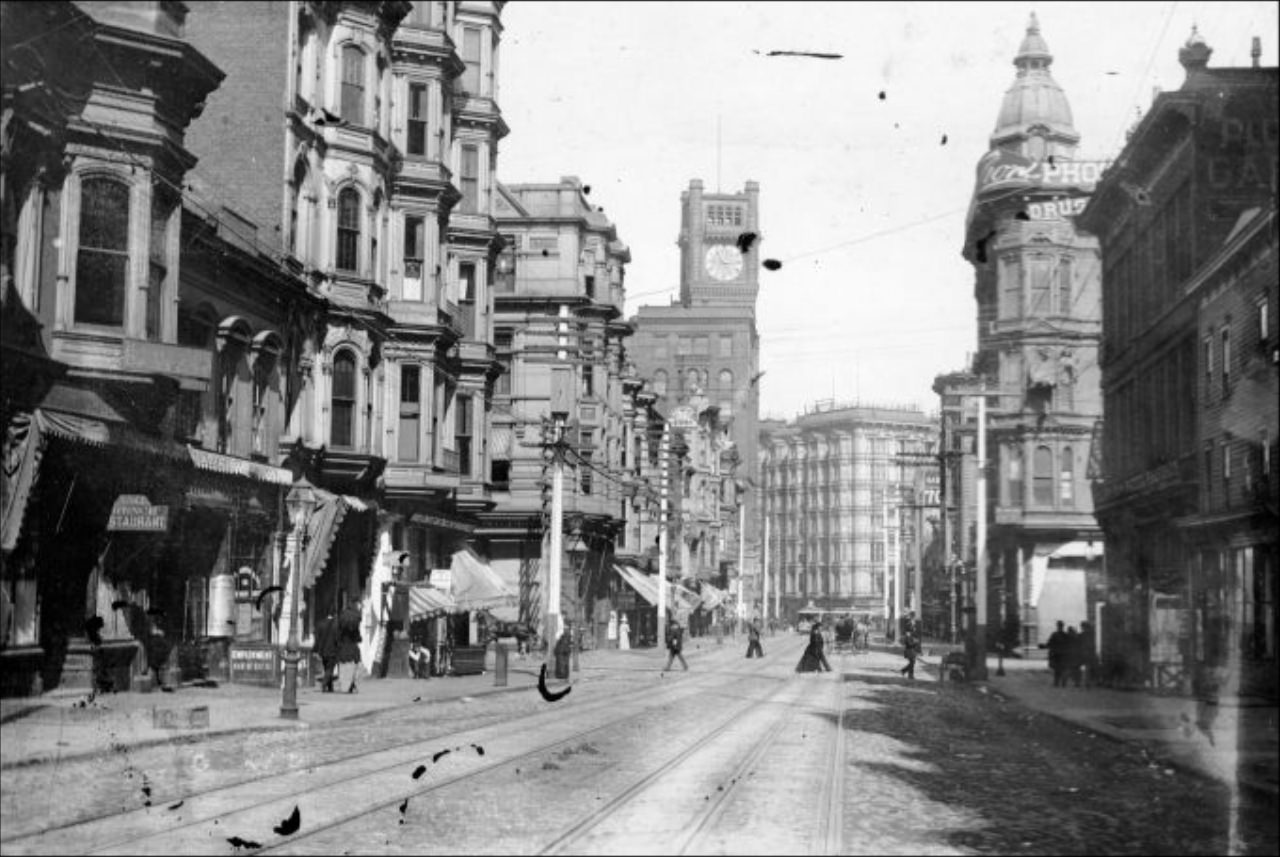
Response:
column 402, row 753
column 831, row 815
column 584, row 826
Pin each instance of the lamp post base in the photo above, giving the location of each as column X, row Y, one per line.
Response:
column 289, row 702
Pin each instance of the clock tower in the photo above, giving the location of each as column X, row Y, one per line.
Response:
column 719, row 247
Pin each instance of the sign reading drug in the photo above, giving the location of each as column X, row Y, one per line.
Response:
column 1056, row 209
column 134, row 513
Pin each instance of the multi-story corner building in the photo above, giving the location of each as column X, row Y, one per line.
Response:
column 558, row 301
column 1186, row 491
column 1036, row 283
column 833, row 481
column 166, row 341
column 706, row 343
column 366, row 143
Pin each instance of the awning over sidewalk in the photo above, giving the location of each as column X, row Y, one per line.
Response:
column 230, row 465
column 476, row 586
column 678, row 598
column 322, row 527
column 425, row 601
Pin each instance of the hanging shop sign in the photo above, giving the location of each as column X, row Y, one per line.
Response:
column 1056, row 209
column 683, row 417
column 134, row 513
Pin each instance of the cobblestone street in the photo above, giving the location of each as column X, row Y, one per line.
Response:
column 734, row 756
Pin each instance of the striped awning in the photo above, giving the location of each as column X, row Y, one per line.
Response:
column 231, row 465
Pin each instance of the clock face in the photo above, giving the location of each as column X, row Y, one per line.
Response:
column 724, row 261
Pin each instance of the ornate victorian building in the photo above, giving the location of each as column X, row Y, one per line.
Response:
column 1036, row 283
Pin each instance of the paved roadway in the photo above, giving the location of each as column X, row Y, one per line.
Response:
column 734, row 756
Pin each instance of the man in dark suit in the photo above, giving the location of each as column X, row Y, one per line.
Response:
column 327, row 649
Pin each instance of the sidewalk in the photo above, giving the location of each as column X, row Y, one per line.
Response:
column 68, row 724
column 1244, row 752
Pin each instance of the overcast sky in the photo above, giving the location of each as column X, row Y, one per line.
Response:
column 860, row 197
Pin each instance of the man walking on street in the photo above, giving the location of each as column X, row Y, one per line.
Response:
column 753, row 638
column 1057, row 646
column 675, row 644
column 327, row 649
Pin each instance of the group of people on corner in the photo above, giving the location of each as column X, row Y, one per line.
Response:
column 1072, row 657
column 338, row 645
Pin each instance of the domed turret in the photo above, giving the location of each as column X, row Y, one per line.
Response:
column 1035, row 113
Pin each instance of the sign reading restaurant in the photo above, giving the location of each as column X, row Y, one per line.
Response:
column 134, row 513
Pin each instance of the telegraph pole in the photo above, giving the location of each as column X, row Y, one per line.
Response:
column 662, row 537
column 764, row 577
column 742, row 555
column 980, row 631
column 561, row 405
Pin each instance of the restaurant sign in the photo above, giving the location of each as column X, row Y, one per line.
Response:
column 134, row 513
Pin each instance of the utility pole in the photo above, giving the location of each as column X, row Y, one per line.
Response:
column 562, row 404
column 742, row 555
column 664, row 455
column 764, row 576
column 980, row 631
column 897, row 570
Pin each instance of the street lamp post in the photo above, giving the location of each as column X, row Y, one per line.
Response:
column 301, row 501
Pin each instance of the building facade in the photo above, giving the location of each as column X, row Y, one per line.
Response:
column 842, row 486
column 707, row 345
column 1186, row 487
column 371, row 134
column 1037, row 288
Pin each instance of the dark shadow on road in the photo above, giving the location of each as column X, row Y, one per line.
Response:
column 1042, row 786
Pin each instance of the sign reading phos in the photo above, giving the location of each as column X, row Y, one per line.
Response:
column 1003, row 170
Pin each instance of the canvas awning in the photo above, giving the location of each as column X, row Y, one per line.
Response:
column 230, row 465
column 640, row 582
column 427, row 601
column 322, row 527
column 476, row 586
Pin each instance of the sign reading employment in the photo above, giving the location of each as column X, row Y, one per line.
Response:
column 134, row 513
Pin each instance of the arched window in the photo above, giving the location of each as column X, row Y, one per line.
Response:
column 1066, row 485
column 660, row 382
column 352, row 106
column 342, row 407
column 1042, row 479
column 348, row 229
column 692, row 380
column 102, row 263
column 726, row 382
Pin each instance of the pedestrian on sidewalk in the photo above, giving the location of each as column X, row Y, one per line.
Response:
column 753, row 640
column 1073, row 659
column 327, row 649
column 624, row 633
column 910, row 650
column 1057, row 646
column 349, row 640
column 419, row 660
column 675, row 645
column 813, row 660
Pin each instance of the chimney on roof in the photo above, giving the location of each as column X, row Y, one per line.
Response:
column 1256, row 51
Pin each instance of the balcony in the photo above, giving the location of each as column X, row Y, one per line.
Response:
column 190, row 367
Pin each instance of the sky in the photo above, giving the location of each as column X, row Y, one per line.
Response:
column 862, row 197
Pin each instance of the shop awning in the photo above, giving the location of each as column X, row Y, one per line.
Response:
column 427, row 601
column 96, row 432
column 476, row 586
column 712, row 597
column 322, row 527
column 26, row 447
column 640, row 582
column 230, row 465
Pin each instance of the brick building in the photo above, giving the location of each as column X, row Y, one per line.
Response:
column 1186, row 487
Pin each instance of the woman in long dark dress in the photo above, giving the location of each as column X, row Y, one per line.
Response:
column 813, row 660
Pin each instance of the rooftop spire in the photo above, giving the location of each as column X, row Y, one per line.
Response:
column 1194, row 55
column 1034, row 52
